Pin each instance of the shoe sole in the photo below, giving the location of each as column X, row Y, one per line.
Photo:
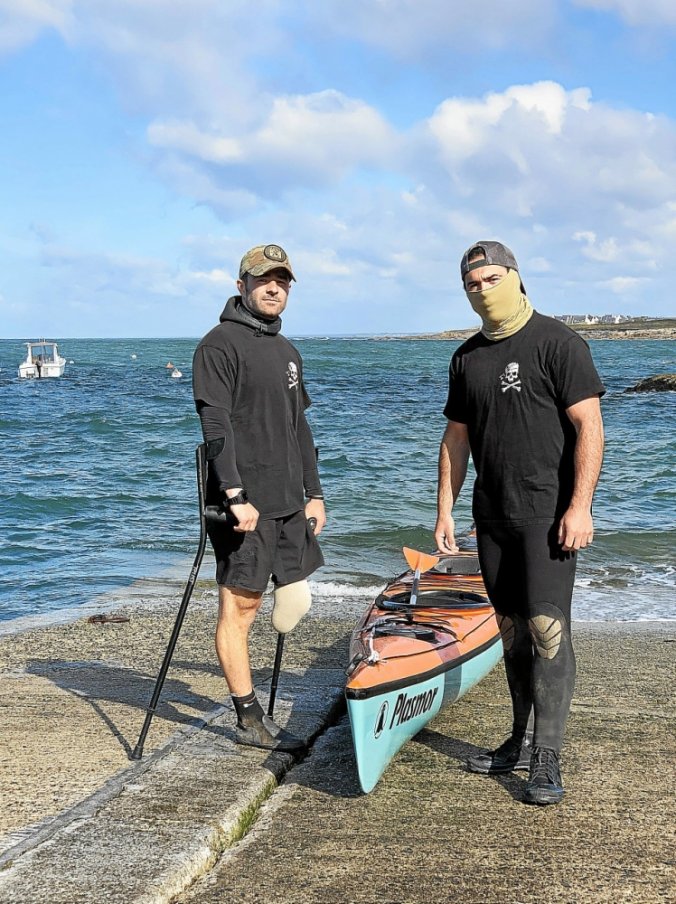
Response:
column 287, row 746
column 498, row 770
column 276, row 748
column 543, row 798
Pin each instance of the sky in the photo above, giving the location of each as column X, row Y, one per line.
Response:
column 147, row 144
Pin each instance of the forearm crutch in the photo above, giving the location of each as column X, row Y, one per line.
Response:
column 201, row 466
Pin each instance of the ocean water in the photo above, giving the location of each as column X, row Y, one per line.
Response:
column 98, row 500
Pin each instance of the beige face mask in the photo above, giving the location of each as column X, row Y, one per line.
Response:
column 503, row 309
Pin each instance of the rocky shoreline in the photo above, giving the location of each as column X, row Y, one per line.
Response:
column 668, row 333
column 585, row 333
column 637, row 329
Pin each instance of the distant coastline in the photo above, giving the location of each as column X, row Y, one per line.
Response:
column 641, row 328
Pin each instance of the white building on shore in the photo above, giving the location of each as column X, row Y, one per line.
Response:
column 592, row 318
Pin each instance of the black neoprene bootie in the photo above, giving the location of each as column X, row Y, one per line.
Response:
column 544, row 784
column 265, row 733
column 512, row 754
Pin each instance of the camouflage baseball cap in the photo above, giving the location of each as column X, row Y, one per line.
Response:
column 263, row 258
column 493, row 253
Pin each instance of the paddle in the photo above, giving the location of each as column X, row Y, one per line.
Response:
column 419, row 563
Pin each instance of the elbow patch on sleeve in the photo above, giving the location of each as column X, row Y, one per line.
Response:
column 215, row 447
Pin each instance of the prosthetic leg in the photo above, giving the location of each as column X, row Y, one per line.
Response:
column 292, row 602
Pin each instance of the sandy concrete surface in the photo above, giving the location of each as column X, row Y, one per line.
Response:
column 432, row 832
column 73, row 699
column 202, row 820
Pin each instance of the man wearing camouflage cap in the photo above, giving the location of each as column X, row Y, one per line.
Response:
column 262, row 473
column 524, row 401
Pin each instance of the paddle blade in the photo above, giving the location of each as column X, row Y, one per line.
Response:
column 419, row 561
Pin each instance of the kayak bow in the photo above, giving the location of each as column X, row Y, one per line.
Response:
column 429, row 637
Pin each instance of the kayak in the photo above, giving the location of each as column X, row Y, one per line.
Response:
column 428, row 637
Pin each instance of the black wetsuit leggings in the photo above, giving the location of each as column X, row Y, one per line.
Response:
column 530, row 583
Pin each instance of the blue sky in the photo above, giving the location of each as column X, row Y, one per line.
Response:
column 146, row 144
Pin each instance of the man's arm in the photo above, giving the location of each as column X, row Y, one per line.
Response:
column 220, row 443
column 453, row 458
column 576, row 528
column 314, row 508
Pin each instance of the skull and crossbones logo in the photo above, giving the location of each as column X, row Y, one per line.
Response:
column 509, row 379
column 292, row 374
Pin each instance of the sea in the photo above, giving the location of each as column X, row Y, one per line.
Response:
column 98, row 501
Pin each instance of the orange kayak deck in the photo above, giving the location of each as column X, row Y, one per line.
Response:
column 393, row 644
column 408, row 660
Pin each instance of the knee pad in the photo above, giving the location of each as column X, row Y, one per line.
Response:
column 507, row 630
column 513, row 632
column 291, row 603
column 548, row 629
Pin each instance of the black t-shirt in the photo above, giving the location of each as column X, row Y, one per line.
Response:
column 257, row 378
column 513, row 395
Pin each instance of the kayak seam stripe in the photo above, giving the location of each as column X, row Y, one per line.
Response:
column 365, row 693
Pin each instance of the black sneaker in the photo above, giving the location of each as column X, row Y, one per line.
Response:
column 510, row 755
column 268, row 735
column 544, row 784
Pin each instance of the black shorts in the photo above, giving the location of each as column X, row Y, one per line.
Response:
column 284, row 549
column 523, row 565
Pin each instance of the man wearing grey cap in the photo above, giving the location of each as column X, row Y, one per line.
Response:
column 523, row 400
column 262, row 473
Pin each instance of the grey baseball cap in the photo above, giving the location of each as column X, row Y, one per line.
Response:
column 492, row 253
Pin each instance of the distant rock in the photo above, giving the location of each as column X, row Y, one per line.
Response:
column 658, row 383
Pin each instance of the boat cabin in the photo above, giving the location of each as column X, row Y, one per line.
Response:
column 42, row 360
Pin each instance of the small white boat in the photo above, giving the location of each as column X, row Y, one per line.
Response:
column 176, row 373
column 42, row 360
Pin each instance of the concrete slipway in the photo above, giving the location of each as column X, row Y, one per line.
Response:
column 202, row 820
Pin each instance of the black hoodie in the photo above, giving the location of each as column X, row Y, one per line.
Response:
column 253, row 376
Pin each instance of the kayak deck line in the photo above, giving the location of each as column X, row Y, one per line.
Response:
column 363, row 693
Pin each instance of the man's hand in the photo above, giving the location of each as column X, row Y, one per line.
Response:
column 444, row 535
column 576, row 529
column 246, row 516
column 314, row 508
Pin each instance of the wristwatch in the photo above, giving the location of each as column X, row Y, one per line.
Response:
column 239, row 499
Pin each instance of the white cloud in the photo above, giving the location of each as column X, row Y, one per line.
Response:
column 410, row 28
column 538, row 265
column 575, row 186
column 187, row 138
column 605, row 251
column 321, row 262
column 101, row 274
column 21, row 21
column 464, row 126
column 303, row 140
column 653, row 13
column 622, row 285
column 542, row 154
column 166, row 56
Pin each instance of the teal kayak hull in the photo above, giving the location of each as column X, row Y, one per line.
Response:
column 383, row 722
